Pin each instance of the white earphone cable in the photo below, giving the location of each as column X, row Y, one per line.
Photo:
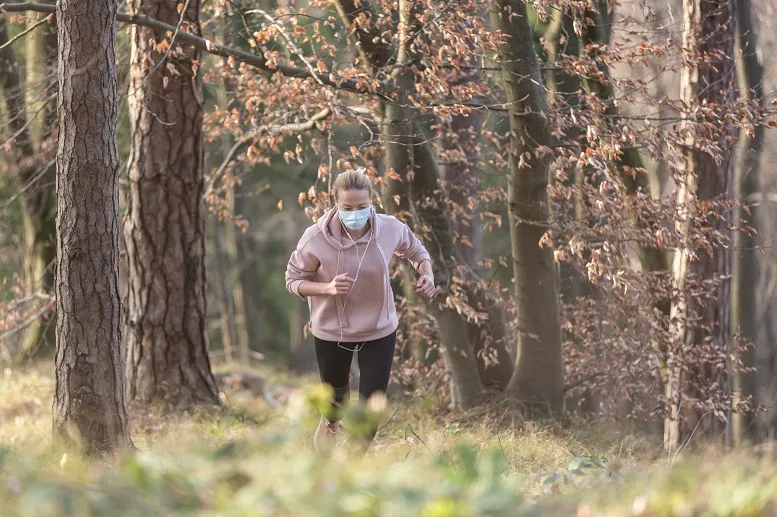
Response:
column 358, row 347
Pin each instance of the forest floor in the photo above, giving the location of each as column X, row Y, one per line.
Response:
column 254, row 458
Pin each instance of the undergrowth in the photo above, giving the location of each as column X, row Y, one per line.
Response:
column 254, row 458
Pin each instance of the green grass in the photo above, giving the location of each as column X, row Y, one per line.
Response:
column 246, row 458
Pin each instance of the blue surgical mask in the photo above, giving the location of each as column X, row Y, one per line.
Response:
column 356, row 219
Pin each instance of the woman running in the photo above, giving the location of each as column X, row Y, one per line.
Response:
column 341, row 266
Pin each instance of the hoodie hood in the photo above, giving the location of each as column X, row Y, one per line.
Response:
column 332, row 229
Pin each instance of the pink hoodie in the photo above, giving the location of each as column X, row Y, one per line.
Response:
column 325, row 251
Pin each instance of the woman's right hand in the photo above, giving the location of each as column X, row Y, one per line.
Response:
column 341, row 284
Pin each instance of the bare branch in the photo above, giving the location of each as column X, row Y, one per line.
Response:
column 215, row 49
column 26, row 31
column 250, row 139
column 289, row 41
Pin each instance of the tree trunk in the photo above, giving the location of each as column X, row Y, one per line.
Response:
column 239, row 298
column 465, row 385
column 401, row 134
column 538, row 377
column 234, row 245
column 396, row 201
column 164, row 228
column 225, row 308
column 708, row 30
column 39, row 204
column 631, row 165
column 744, row 266
column 40, row 79
column 34, row 152
column 426, row 196
column 89, row 398
column 461, row 175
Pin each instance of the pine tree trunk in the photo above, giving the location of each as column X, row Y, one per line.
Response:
column 164, row 229
column 744, row 266
column 538, row 377
column 89, row 398
column 708, row 29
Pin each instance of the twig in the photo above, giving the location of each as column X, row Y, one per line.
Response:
column 409, row 428
column 582, row 381
column 689, row 439
column 389, row 420
column 290, row 41
column 26, row 323
column 250, row 139
column 29, row 184
column 25, row 32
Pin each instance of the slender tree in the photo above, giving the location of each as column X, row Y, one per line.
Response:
column 707, row 78
column 34, row 167
column 458, row 157
column 39, row 203
column 403, row 142
column 89, row 391
column 744, row 264
column 538, row 378
column 164, row 229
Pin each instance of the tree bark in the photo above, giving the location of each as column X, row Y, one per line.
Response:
column 164, row 229
column 744, row 264
column 709, row 30
column 396, row 201
column 89, row 398
column 538, row 377
column 630, row 165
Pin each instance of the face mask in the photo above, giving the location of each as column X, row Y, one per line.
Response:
column 356, row 219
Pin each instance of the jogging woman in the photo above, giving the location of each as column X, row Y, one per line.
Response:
column 341, row 266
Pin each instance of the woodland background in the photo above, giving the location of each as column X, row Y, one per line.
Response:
column 595, row 189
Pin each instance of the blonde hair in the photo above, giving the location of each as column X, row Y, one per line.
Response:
column 352, row 180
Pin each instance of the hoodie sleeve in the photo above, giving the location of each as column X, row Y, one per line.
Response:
column 302, row 264
column 411, row 249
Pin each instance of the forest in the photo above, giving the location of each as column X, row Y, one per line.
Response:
column 589, row 178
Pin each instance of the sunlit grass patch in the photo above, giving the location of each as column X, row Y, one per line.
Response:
column 252, row 458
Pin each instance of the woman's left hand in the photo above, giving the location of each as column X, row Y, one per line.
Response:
column 425, row 286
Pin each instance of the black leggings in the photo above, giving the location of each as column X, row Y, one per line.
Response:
column 375, row 358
